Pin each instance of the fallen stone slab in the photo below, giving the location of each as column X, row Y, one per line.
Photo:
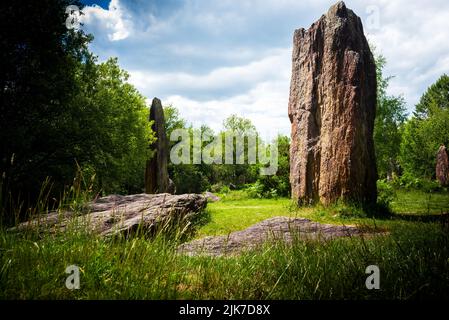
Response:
column 116, row 214
column 211, row 197
column 277, row 228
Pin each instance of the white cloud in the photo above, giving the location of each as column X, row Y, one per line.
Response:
column 274, row 66
column 265, row 105
column 264, row 102
column 413, row 37
column 115, row 21
column 214, row 58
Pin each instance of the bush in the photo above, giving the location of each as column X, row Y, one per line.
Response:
column 215, row 188
column 224, row 190
column 347, row 210
column 385, row 194
column 255, row 190
column 407, row 181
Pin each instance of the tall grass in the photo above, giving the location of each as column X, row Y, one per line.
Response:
column 413, row 261
column 72, row 198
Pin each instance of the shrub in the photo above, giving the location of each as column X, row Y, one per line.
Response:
column 407, row 181
column 385, row 193
column 255, row 190
column 348, row 210
column 224, row 190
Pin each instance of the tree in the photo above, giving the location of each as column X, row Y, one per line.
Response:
column 188, row 178
column 239, row 125
column 426, row 131
column 38, row 63
column 238, row 174
column 173, row 120
column 390, row 115
column 115, row 117
column 280, row 182
column 435, row 99
column 60, row 109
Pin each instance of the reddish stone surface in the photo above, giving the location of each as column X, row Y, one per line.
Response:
column 442, row 167
column 332, row 108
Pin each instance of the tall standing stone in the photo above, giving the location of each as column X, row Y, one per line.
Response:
column 442, row 167
column 156, row 173
column 332, row 108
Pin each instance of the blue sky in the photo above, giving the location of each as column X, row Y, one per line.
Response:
column 212, row 58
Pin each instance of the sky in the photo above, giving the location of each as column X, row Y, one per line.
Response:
column 214, row 58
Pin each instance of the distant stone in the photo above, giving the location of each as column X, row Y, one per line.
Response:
column 332, row 107
column 442, row 167
column 273, row 229
column 156, row 172
column 211, row 197
column 171, row 186
column 116, row 214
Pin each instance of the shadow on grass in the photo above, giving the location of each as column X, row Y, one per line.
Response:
column 443, row 218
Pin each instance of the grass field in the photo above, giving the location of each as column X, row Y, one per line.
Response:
column 235, row 212
column 413, row 259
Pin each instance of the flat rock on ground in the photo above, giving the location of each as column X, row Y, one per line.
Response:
column 211, row 197
column 124, row 214
column 277, row 228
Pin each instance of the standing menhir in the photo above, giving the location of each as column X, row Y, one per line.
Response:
column 332, row 108
column 442, row 167
column 156, row 173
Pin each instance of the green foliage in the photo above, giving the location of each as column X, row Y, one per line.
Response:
column 279, row 184
column 201, row 177
column 347, row 210
column 238, row 124
column 410, row 182
column 59, row 107
column 390, row 115
column 188, row 178
column 224, row 190
column 172, row 120
column 213, row 177
column 115, row 117
column 426, row 131
column 237, row 175
column 255, row 190
column 434, row 99
column 386, row 194
column 38, row 62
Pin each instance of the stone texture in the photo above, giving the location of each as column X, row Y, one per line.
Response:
column 116, row 214
column 156, row 173
column 442, row 167
column 273, row 229
column 332, row 108
column 211, row 197
column 171, row 186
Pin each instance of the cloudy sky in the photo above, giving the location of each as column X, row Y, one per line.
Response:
column 213, row 58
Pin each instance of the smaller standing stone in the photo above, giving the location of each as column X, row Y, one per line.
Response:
column 442, row 167
column 156, row 173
